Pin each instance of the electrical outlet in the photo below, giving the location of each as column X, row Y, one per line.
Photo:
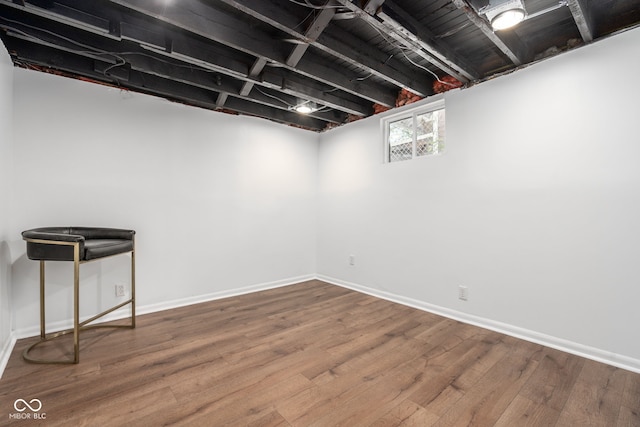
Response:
column 120, row 292
column 463, row 293
column 352, row 260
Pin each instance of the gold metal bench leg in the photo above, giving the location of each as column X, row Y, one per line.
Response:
column 43, row 332
column 76, row 303
column 77, row 325
column 133, row 285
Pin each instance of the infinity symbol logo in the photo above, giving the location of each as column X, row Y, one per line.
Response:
column 21, row 405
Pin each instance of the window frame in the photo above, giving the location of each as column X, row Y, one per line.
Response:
column 411, row 112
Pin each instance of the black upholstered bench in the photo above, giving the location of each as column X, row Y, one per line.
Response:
column 80, row 245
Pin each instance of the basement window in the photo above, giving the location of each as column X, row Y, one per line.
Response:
column 415, row 133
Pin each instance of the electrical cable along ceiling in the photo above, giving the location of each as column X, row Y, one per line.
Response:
column 314, row 64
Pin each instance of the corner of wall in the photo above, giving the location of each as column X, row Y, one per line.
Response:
column 599, row 355
column 7, row 340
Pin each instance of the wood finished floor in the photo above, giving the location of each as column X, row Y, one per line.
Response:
column 314, row 354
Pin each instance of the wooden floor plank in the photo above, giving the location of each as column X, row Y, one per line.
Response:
column 523, row 412
column 315, row 354
column 406, row 413
column 630, row 404
column 485, row 402
column 596, row 396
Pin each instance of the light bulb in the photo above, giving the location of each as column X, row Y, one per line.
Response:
column 507, row 19
column 304, row 109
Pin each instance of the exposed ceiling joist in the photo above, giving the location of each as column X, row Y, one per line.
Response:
column 338, row 44
column 212, row 24
column 291, row 84
column 155, row 85
column 582, row 15
column 346, row 58
column 145, row 66
column 317, row 26
column 187, row 49
column 420, row 43
column 507, row 42
column 254, row 72
column 191, row 51
column 372, row 6
column 400, row 21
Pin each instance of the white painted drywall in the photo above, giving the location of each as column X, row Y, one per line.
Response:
column 534, row 206
column 6, row 190
column 219, row 202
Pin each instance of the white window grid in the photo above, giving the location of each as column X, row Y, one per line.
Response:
column 411, row 148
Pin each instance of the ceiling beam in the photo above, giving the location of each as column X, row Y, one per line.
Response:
column 221, row 99
column 508, row 42
column 148, row 65
column 582, row 15
column 99, row 70
column 423, row 43
column 190, row 53
column 145, row 62
column 182, row 47
column 372, row 6
column 215, row 25
column 397, row 18
column 293, row 84
column 314, row 30
column 254, row 72
column 339, row 44
column 226, row 87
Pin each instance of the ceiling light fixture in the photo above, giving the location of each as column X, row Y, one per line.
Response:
column 305, row 107
column 503, row 14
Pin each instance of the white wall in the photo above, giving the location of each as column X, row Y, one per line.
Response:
column 220, row 203
column 6, row 190
column 534, row 206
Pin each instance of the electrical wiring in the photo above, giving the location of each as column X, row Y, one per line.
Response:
column 175, row 64
column 426, row 69
column 402, row 50
column 313, row 11
column 274, row 97
column 116, row 65
column 455, row 30
column 119, row 56
column 120, row 61
column 363, row 78
column 46, row 31
column 90, row 50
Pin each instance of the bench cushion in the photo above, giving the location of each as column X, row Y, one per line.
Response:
column 94, row 242
column 99, row 248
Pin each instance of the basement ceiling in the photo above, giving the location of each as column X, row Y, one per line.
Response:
column 346, row 59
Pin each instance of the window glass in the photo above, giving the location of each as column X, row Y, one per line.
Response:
column 401, row 140
column 430, row 133
column 417, row 133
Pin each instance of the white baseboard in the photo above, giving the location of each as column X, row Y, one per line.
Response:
column 588, row 352
column 124, row 312
column 5, row 353
column 152, row 308
column 578, row 349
